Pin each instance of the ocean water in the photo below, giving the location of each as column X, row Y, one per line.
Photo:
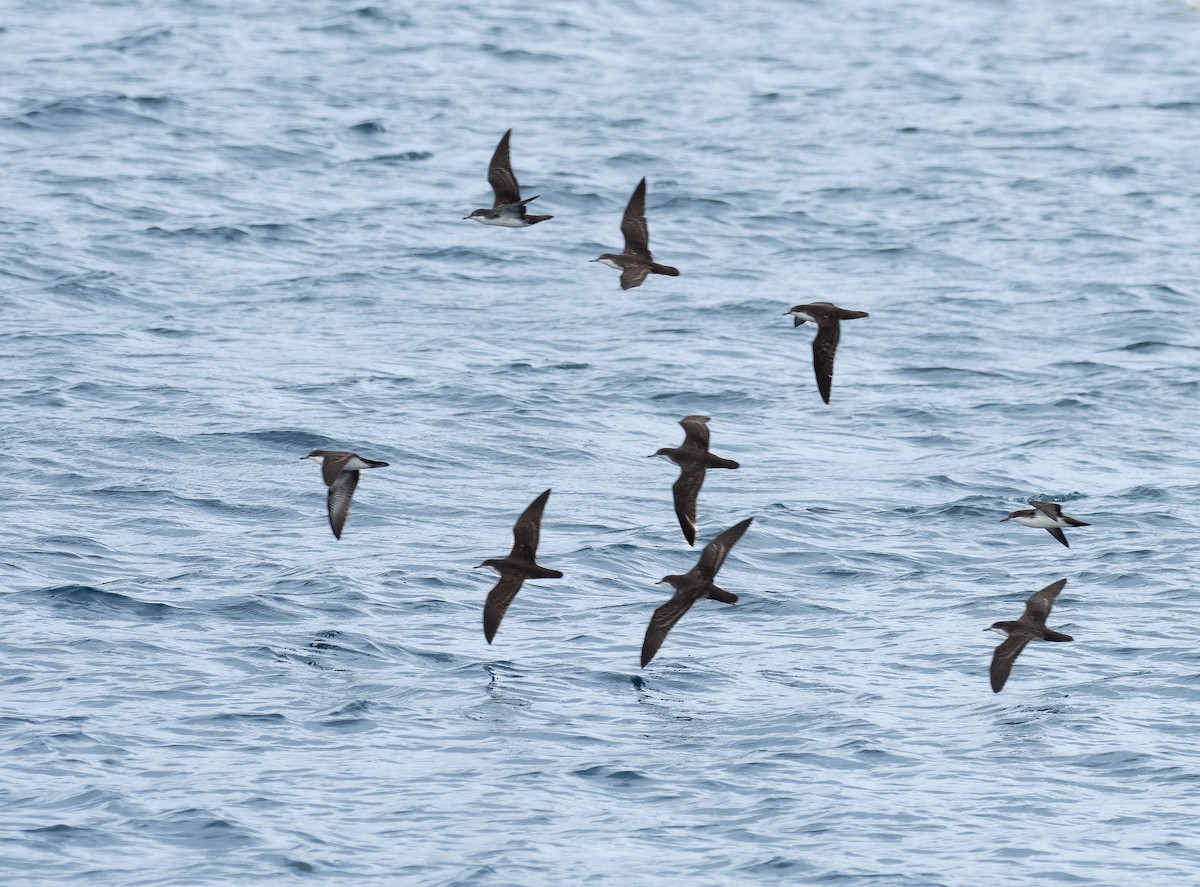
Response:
column 232, row 233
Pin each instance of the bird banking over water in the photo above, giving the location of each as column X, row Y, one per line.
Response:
column 693, row 585
column 521, row 564
column 636, row 261
column 339, row 470
column 1020, row 632
column 693, row 457
column 828, row 317
column 1046, row 516
column 508, row 210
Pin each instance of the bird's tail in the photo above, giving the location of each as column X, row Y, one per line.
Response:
column 720, row 594
column 544, row 573
column 664, row 269
column 717, row 462
column 846, row 314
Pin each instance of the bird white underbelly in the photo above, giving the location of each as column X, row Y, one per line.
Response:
column 1039, row 521
column 505, row 222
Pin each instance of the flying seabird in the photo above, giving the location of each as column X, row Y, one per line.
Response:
column 693, row 457
column 827, row 316
column 339, row 470
column 508, row 210
column 695, row 584
column 521, row 564
column 1020, row 632
column 1046, row 516
column 636, row 261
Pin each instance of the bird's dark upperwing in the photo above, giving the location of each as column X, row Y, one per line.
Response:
column 500, row 175
column 824, row 346
column 715, row 552
column 338, row 501
column 686, row 489
column 527, row 530
column 663, row 621
column 1037, row 607
column 633, row 226
column 1052, row 510
column 633, row 275
column 331, row 467
column 695, row 430
column 497, row 603
column 1004, row 657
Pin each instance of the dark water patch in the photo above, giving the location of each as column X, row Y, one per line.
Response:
column 267, row 156
column 399, row 158
column 75, row 835
column 82, row 112
column 151, row 36
column 92, row 288
column 348, row 718
column 1154, row 347
column 220, row 233
column 362, row 21
column 368, row 128
column 85, row 600
column 519, row 55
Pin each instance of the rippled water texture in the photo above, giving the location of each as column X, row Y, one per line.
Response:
column 232, row 233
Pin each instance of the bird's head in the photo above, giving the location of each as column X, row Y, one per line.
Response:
column 799, row 315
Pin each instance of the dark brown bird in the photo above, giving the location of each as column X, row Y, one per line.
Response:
column 693, row 457
column 828, row 317
column 1046, row 516
column 1020, row 632
column 636, row 261
column 508, row 209
column 339, row 470
column 521, row 564
column 697, row 583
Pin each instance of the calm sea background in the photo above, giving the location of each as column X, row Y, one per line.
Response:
column 232, row 232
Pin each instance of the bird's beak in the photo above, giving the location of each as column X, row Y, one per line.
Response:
column 787, row 312
column 466, row 217
column 302, row 458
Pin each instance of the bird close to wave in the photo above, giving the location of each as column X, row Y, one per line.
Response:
column 508, row 209
column 521, row 564
column 1019, row 632
column 828, row 317
column 636, row 261
column 1046, row 516
column 693, row 585
column 694, row 459
column 339, row 470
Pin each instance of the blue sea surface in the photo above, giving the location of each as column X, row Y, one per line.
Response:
column 233, row 233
